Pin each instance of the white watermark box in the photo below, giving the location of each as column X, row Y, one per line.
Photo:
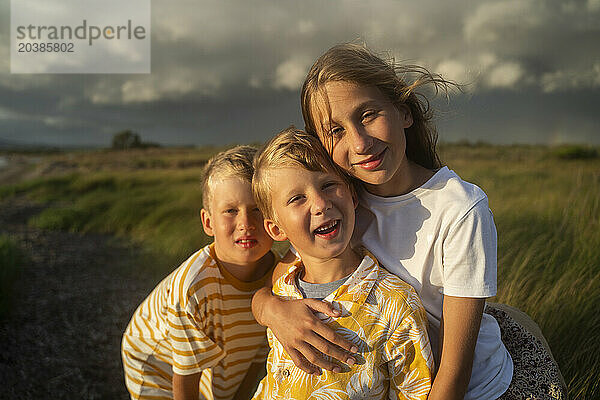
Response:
column 80, row 36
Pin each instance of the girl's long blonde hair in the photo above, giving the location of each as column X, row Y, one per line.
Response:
column 355, row 63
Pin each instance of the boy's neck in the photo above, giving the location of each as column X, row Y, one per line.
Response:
column 249, row 272
column 329, row 270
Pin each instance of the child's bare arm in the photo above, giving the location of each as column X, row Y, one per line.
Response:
column 248, row 386
column 185, row 387
column 303, row 336
column 461, row 318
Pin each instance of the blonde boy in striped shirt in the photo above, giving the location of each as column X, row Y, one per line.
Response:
column 194, row 336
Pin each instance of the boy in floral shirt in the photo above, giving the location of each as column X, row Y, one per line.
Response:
column 306, row 200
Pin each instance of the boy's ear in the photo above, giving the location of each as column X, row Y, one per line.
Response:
column 274, row 230
column 405, row 116
column 206, row 222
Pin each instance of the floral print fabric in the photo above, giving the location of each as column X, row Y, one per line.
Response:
column 384, row 318
column 536, row 375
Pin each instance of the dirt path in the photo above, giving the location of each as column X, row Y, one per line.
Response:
column 71, row 304
column 14, row 167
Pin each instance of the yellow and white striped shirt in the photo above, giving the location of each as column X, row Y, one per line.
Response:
column 199, row 318
column 383, row 316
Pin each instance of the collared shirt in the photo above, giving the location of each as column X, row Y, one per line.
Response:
column 384, row 318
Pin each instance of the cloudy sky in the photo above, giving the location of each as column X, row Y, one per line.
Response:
column 227, row 71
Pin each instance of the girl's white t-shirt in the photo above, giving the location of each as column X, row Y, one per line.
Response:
column 441, row 239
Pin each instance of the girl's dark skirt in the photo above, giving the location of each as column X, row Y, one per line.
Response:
column 536, row 375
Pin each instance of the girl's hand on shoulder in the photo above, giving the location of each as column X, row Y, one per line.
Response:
column 294, row 323
column 304, row 337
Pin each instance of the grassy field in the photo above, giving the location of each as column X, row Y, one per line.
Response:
column 547, row 213
column 546, row 204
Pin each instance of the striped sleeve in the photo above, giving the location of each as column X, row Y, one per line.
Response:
column 193, row 350
column 262, row 353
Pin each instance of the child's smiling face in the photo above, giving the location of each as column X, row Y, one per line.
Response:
column 367, row 132
column 235, row 222
column 313, row 209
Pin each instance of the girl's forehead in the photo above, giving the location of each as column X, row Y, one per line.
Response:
column 350, row 92
column 337, row 97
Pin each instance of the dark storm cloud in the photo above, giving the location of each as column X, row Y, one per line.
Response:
column 230, row 71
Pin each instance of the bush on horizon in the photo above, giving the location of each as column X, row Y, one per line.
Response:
column 575, row 152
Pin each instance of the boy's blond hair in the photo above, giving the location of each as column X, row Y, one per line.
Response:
column 289, row 148
column 236, row 162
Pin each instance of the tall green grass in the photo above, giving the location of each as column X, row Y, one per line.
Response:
column 546, row 208
column 10, row 264
column 547, row 214
column 157, row 208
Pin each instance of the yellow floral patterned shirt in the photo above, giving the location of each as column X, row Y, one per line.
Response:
column 383, row 316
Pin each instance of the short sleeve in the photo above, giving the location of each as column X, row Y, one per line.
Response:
column 410, row 359
column 192, row 349
column 469, row 254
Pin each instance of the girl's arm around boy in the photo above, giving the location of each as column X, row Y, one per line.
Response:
column 305, row 338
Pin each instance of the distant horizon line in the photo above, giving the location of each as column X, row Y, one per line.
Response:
column 12, row 146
